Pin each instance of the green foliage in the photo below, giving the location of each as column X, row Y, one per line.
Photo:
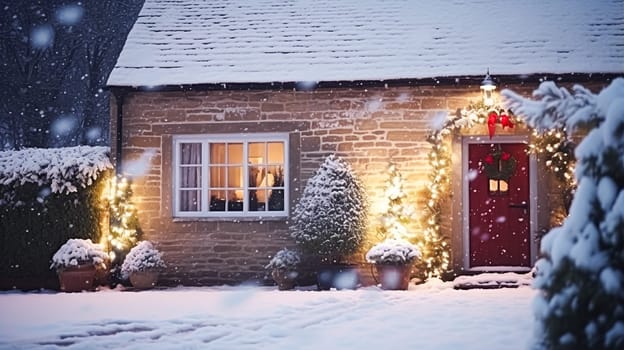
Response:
column 329, row 221
column 581, row 273
column 35, row 223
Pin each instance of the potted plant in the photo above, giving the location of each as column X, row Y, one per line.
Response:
column 393, row 259
column 329, row 222
column 283, row 267
column 76, row 262
column 142, row 265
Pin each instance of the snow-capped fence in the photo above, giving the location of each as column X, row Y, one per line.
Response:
column 46, row 197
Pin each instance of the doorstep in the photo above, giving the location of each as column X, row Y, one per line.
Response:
column 493, row 280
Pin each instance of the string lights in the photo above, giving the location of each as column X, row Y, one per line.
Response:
column 395, row 221
column 124, row 224
column 433, row 245
column 554, row 146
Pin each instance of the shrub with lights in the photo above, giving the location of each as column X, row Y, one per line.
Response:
column 124, row 223
column 394, row 224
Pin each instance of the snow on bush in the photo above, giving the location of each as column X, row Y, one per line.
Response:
column 581, row 274
column 142, row 257
column 393, row 251
column 284, row 259
column 329, row 221
column 63, row 169
column 77, row 252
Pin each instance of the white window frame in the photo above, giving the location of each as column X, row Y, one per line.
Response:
column 206, row 140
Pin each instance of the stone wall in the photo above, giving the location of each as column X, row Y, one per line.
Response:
column 367, row 126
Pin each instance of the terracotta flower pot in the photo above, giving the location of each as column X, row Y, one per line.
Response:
column 394, row 277
column 77, row 278
column 144, row 279
column 285, row 279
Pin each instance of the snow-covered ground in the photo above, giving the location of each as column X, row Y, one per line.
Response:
column 429, row 316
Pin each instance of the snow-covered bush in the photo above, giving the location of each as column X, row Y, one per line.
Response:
column 63, row 170
column 284, row 259
column 142, row 257
column 393, row 252
column 329, row 221
column 581, row 274
column 78, row 252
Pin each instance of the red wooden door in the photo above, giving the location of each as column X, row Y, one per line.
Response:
column 498, row 198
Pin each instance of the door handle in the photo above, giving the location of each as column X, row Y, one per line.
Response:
column 522, row 205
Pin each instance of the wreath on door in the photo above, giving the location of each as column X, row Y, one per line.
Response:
column 499, row 165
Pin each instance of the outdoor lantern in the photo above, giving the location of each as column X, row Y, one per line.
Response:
column 488, row 87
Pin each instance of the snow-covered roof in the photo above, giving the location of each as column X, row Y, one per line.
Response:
column 240, row 41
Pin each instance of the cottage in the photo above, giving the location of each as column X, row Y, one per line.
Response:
column 233, row 105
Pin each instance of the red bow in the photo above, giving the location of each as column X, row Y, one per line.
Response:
column 492, row 118
column 506, row 121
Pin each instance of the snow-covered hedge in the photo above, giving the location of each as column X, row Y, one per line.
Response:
column 393, row 251
column 78, row 251
column 64, row 170
column 142, row 257
column 580, row 276
column 284, row 259
column 329, row 221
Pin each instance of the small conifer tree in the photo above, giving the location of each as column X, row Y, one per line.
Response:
column 395, row 221
column 329, row 221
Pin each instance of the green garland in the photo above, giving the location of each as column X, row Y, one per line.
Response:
column 434, row 246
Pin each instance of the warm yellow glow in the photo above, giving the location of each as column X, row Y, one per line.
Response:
column 122, row 233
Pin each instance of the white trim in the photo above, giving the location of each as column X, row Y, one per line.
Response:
column 206, row 140
column 480, row 139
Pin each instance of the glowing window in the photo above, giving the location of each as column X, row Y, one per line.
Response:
column 498, row 187
column 231, row 175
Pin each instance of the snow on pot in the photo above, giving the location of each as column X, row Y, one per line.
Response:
column 393, row 259
column 283, row 267
column 142, row 265
column 76, row 263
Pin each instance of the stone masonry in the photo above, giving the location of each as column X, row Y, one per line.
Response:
column 367, row 126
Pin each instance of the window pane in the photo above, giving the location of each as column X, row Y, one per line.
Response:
column 235, row 153
column 257, row 176
column 503, row 186
column 257, row 200
column 190, row 177
column 235, row 176
column 493, row 185
column 276, row 200
column 217, row 176
column 276, row 152
column 256, row 153
column 190, row 153
column 217, row 153
column 217, row 200
column 234, row 202
column 190, row 200
column 276, row 176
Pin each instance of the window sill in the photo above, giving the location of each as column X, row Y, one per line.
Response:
column 231, row 219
